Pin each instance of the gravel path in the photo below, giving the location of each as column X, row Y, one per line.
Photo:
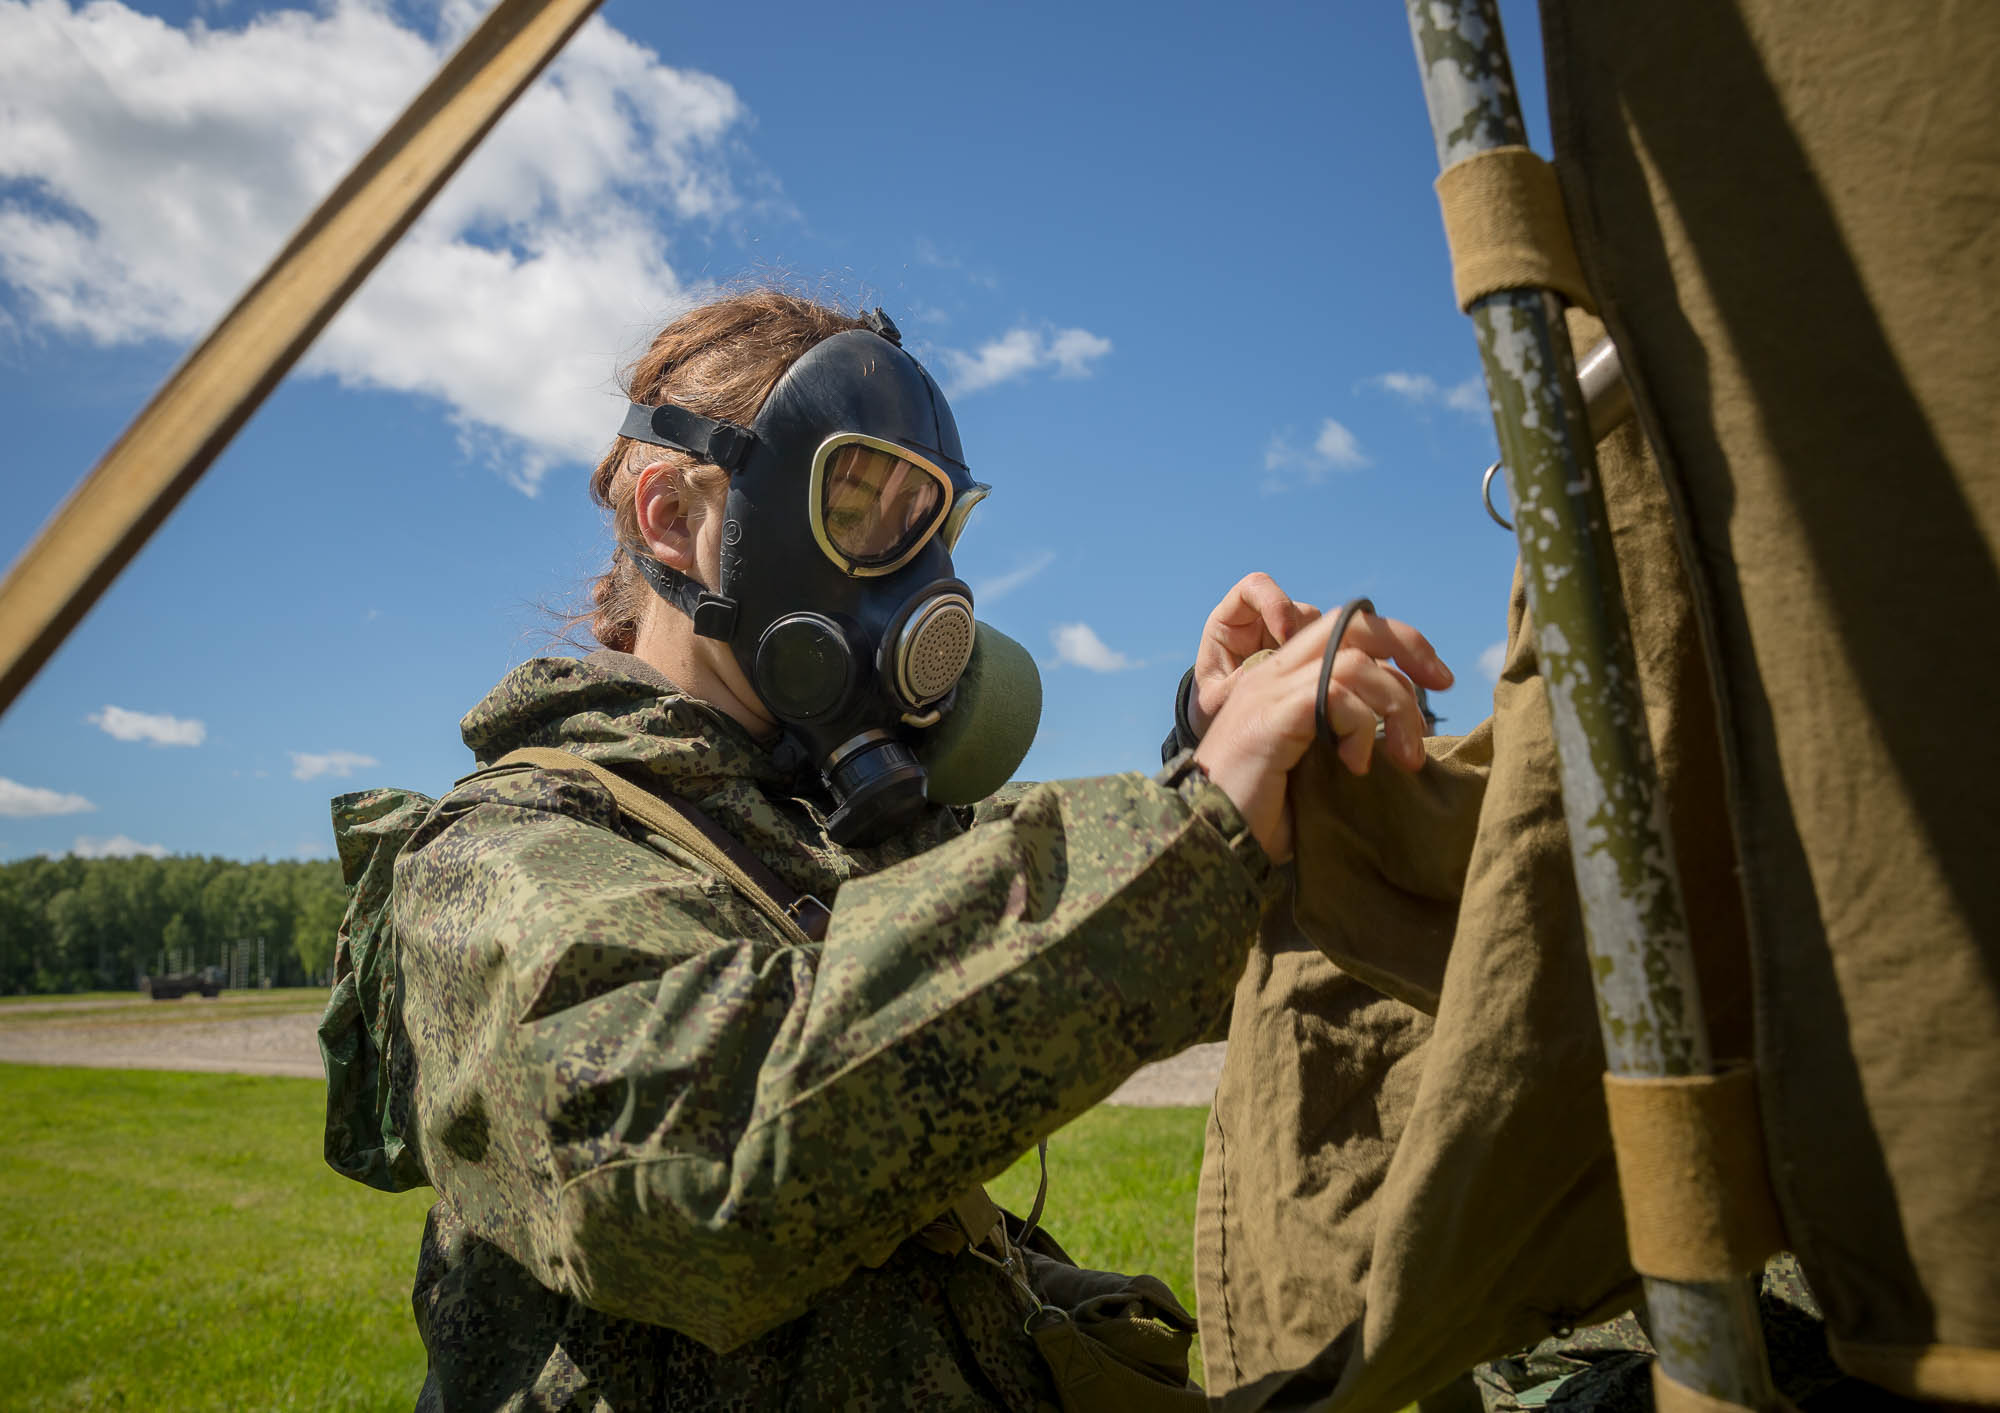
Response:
column 255, row 1044
column 147, row 1035
column 1185, row 1081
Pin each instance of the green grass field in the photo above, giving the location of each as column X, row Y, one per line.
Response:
column 289, row 995
column 123, row 1009
column 173, row 1241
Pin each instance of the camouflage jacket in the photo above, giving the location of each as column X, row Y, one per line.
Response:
column 675, row 1156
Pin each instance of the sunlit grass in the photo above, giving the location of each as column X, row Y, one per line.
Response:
column 1121, row 1193
column 174, row 1241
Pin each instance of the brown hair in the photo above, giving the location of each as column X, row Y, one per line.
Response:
column 720, row 360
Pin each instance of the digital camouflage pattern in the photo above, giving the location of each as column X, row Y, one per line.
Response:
column 676, row 1157
column 1607, row 1368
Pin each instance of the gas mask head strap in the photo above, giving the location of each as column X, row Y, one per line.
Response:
column 722, row 444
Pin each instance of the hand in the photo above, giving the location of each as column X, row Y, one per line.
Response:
column 1253, row 616
column 1266, row 724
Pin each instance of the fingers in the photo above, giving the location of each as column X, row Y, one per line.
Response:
column 1255, row 614
column 1393, row 639
column 1379, row 637
column 1378, row 692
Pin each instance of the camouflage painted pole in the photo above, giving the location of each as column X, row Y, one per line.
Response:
column 1649, row 1004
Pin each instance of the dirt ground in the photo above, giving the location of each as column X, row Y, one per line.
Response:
column 248, row 1032
column 253, row 1032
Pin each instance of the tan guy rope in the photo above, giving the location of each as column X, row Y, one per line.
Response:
column 126, row 496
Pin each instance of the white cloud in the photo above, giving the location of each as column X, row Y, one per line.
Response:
column 126, row 725
column 1336, row 446
column 156, row 168
column 1414, row 386
column 1079, row 645
column 1422, row 390
column 1468, row 396
column 1493, row 659
column 987, row 591
column 31, row 801
column 338, row 764
column 118, row 846
column 1334, row 449
column 1021, row 351
column 1074, row 350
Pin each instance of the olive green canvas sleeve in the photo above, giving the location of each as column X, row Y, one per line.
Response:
column 629, row 1084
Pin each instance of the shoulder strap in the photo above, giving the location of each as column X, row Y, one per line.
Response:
column 801, row 917
column 972, row 1220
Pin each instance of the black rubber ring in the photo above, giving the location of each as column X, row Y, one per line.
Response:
column 1340, row 623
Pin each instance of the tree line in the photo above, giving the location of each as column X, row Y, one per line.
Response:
column 71, row 924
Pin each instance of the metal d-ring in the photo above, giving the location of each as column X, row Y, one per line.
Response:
column 1486, row 495
column 1321, row 726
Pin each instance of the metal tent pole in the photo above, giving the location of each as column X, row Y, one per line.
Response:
column 1648, row 999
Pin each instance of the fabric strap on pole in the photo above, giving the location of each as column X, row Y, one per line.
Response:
column 1670, row 1396
column 1504, row 219
column 160, row 456
column 1698, row 1204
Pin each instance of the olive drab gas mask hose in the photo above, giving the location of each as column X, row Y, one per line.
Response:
column 836, row 593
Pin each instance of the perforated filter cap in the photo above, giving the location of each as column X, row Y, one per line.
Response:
column 935, row 648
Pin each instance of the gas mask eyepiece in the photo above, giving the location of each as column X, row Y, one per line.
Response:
column 837, row 596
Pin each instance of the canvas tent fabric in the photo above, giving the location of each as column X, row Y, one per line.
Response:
column 1387, row 1203
column 1791, row 219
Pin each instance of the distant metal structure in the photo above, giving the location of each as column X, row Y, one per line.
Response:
column 1649, row 1001
column 174, row 985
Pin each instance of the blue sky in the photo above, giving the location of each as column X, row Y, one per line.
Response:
column 1180, row 267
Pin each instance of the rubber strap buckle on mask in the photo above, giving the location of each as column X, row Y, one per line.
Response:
column 723, row 444
column 714, row 615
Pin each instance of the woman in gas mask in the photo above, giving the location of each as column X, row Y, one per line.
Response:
column 703, row 1124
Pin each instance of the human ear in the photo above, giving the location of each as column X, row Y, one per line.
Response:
column 662, row 517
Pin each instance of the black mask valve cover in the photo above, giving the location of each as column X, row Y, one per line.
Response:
column 805, row 667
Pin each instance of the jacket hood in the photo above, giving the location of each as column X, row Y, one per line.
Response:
column 618, row 710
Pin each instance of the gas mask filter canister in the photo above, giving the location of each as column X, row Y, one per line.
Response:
column 837, row 595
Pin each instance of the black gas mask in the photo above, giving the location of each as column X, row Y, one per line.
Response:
column 837, row 596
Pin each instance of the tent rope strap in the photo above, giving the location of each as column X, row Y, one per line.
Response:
column 1698, row 1204
column 1504, row 219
